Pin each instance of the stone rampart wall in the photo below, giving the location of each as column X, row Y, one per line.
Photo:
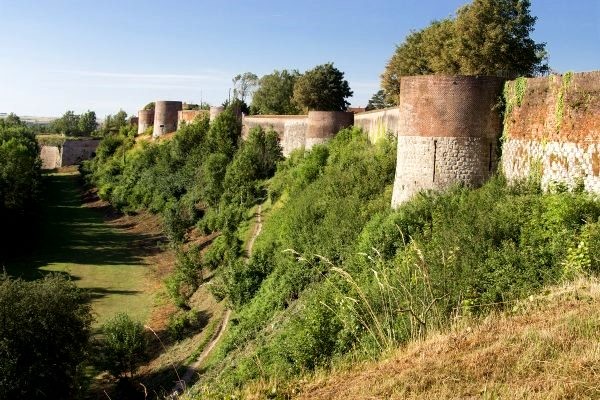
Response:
column 71, row 152
column 379, row 123
column 552, row 130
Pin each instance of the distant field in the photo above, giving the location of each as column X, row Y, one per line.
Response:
column 77, row 240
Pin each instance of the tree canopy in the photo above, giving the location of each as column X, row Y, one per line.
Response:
column 274, row 94
column 44, row 334
column 322, row 88
column 486, row 37
column 378, row 101
column 71, row 124
column 243, row 84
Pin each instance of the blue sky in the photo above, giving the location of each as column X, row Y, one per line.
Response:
column 107, row 55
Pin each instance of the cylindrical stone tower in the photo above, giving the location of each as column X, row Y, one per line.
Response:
column 145, row 120
column 215, row 111
column 448, row 132
column 165, row 117
column 323, row 125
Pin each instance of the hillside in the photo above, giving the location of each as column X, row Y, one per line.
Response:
column 546, row 347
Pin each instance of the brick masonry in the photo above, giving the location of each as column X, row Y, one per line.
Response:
column 447, row 133
column 377, row 124
column 552, row 130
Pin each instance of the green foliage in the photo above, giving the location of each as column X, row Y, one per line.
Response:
column 43, row 338
column 243, row 84
column 486, row 37
column 122, row 346
column 378, row 101
column 186, row 278
column 20, row 183
column 322, row 88
column 560, row 102
column 274, row 94
column 335, row 271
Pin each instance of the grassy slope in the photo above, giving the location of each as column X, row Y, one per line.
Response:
column 545, row 348
column 77, row 240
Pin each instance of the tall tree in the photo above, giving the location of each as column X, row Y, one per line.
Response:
column 243, row 84
column 274, row 94
column 322, row 88
column 378, row 101
column 492, row 37
column 67, row 125
column 87, row 123
column 487, row 37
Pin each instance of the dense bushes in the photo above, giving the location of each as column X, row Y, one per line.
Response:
column 20, row 181
column 336, row 272
column 43, row 338
column 122, row 346
column 204, row 176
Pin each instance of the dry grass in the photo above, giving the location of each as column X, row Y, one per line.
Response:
column 547, row 347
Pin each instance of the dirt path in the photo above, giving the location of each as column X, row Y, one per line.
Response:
column 193, row 369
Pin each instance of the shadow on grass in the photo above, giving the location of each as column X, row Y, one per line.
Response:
column 69, row 233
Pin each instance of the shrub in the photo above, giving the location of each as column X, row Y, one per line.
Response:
column 44, row 336
column 122, row 346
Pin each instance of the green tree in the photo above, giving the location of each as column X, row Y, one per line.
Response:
column 123, row 345
column 378, row 101
column 67, row 125
column 274, row 94
column 87, row 123
column 492, row 37
column 486, row 37
column 44, row 332
column 243, row 84
column 322, row 88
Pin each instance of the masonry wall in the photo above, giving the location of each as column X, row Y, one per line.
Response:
column 165, row 117
column 76, row 151
column 189, row 116
column 448, row 130
column 379, row 123
column 51, row 157
column 71, row 152
column 145, row 120
column 552, row 130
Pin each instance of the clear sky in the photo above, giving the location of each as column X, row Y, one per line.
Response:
column 105, row 55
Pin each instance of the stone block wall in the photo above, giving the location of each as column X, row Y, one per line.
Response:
column 165, row 117
column 189, row 116
column 71, row 152
column 145, row 120
column 51, row 157
column 379, row 123
column 300, row 131
column 552, row 130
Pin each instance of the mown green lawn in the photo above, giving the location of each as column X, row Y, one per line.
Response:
column 76, row 240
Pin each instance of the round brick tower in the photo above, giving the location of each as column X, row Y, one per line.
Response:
column 323, row 125
column 145, row 120
column 165, row 117
column 448, row 133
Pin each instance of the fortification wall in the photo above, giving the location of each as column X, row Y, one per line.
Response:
column 189, row 116
column 379, row 123
column 145, row 120
column 323, row 125
column 71, row 152
column 215, row 111
column 300, row 131
column 552, row 130
column 165, row 117
column 290, row 128
column 51, row 157
column 447, row 134
column 76, row 151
